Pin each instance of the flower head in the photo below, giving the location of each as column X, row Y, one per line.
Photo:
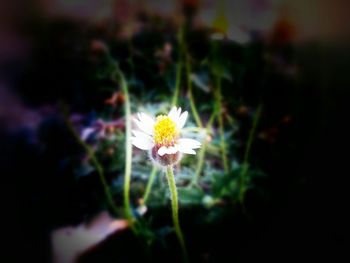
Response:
column 162, row 136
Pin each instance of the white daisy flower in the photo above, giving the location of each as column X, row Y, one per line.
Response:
column 161, row 136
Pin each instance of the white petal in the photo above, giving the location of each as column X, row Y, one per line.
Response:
column 145, row 123
column 173, row 112
column 172, row 149
column 142, row 135
column 162, row 150
column 187, row 146
column 178, row 112
column 182, row 120
column 167, row 150
column 189, row 143
column 187, row 150
column 147, row 120
column 143, row 142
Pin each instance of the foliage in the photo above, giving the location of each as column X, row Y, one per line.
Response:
column 209, row 81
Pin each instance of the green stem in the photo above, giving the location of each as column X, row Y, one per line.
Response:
column 230, row 120
column 190, row 93
column 200, row 163
column 95, row 162
column 149, row 184
column 203, row 151
column 192, row 129
column 223, row 145
column 119, row 77
column 100, row 172
column 245, row 164
column 177, row 83
column 178, row 67
column 128, row 148
column 175, row 209
column 183, row 55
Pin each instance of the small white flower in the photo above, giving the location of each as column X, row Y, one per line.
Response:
column 161, row 136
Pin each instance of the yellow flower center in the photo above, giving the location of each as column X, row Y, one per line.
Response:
column 165, row 131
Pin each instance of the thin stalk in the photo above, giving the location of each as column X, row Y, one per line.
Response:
column 119, row 77
column 200, row 163
column 245, row 164
column 183, row 55
column 230, row 120
column 128, row 148
column 223, row 145
column 175, row 210
column 177, row 83
column 178, row 67
column 95, row 162
column 192, row 129
column 190, row 93
column 202, row 151
column 150, row 184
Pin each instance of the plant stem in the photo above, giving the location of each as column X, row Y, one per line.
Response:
column 128, row 148
column 190, row 94
column 149, row 184
column 183, row 55
column 118, row 77
column 175, row 209
column 203, row 151
column 178, row 67
column 223, row 145
column 245, row 164
column 94, row 160
column 177, row 83
column 200, row 163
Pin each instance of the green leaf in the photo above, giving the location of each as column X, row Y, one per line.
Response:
column 190, row 196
